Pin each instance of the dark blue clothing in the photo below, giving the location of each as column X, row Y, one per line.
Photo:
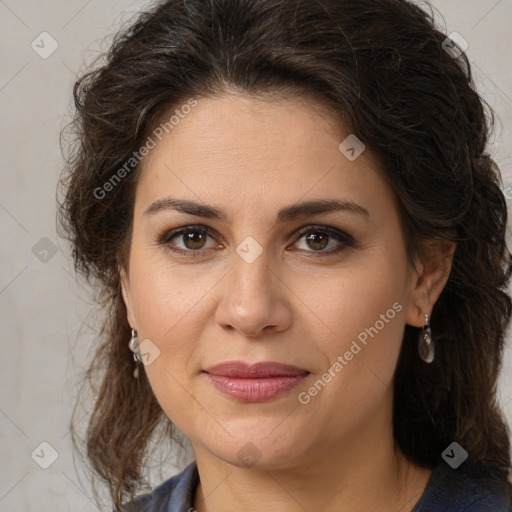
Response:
column 469, row 488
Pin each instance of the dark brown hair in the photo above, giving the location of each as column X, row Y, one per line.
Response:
column 382, row 68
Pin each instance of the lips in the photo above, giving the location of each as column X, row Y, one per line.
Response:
column 254, row 371
column 257, row 382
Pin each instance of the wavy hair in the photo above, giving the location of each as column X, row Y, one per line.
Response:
column 383, row 68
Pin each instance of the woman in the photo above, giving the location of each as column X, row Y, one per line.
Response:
column 299, row 240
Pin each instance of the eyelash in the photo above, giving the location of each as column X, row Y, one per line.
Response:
column 345, row 239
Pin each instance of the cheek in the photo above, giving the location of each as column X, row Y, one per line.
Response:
column 167, row 306
column 163, row 294
column 366, row 321
column 162, row 303
column 172, row 306
column 362, row 314
column 349, row 300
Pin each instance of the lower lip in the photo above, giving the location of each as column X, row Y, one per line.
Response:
column 255, row 390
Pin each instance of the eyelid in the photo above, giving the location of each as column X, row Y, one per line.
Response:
column 331, row 231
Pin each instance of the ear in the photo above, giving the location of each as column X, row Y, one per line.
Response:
column 127, row 298
column 428, row 280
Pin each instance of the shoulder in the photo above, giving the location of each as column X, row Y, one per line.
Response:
column 472, row 487
column 174, row 495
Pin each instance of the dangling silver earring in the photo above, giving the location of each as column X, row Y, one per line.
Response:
column 134, row 347
column 426, row 343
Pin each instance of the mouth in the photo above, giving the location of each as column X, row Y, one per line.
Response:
column 257, row 382
column 256, row 370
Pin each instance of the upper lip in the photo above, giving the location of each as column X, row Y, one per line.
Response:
column 254, row 370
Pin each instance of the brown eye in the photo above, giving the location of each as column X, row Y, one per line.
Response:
column 323, row 240
column 188, row 240
column 317, row 241
column 194, row 240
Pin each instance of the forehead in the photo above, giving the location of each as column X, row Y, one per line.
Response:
column 238, row 146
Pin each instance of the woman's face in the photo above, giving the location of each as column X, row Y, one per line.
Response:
column 260, row 276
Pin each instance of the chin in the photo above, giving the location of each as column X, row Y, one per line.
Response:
column 262, row 454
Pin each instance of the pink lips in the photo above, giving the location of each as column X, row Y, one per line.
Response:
column 257, row 382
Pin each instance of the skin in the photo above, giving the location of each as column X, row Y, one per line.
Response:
column 249, row 158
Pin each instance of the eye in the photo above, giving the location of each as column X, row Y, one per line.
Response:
column 192, row 240
column 319, row 238
column 188, row 240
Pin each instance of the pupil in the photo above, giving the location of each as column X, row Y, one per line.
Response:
column 311, row 238
column 193, row 240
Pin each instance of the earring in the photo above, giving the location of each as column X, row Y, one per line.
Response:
column 426, row 343
column 134, row 347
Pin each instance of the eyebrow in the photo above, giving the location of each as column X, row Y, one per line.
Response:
column 284, row 215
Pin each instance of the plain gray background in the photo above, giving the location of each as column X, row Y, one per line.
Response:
column 46, row 326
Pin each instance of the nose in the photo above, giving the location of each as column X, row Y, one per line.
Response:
column 254, row 299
